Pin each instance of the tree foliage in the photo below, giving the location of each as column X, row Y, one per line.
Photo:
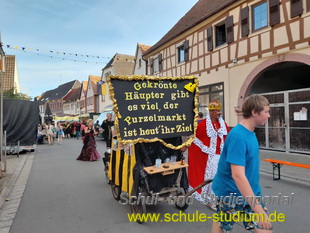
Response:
column 10, row 94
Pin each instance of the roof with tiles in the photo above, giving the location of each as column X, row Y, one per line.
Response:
column 58, row 93
column 144, row 47
column 84, row 86
column 93, row 80
column 73, row 95
column 202, row 10
column 62, row 90
column 122, row 64
column 45, row 96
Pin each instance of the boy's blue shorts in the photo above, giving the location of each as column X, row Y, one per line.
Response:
column 229, row 214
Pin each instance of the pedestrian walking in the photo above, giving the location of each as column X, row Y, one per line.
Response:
column 40, row 135
column 67, row 130
column 78, row 130
column 97, row 126
column 50, row 133
column 44, row 132
column 204, row 152
column 107, row 127
column 73, row 130
column 238, row 176
column 59, row 131
column 89, row 151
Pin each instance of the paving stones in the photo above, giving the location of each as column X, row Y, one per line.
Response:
column 18, row 169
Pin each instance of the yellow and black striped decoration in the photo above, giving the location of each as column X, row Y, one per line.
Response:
column 132, row 165
column 121, row 168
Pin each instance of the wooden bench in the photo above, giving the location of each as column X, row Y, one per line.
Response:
column 276, row 164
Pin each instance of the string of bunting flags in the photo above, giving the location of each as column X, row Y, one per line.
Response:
column 53, row 54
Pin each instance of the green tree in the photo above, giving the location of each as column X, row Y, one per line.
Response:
column 9, row 94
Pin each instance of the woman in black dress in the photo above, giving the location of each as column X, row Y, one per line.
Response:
column 89, row 151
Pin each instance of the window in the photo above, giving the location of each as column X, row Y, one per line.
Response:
column 210, row 93
column 260, row 16
column 181, row 54
column 108, row 74
column 139, row 63
column 156, row 66
column 183, row 51
column 220, row 34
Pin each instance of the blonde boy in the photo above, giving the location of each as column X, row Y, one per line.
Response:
column 238, row 169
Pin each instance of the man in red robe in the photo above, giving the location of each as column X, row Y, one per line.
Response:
column 204, row 152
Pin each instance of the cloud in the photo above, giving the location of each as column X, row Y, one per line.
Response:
column 96, row 27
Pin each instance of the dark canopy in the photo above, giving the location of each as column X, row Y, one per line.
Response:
column 20, row 121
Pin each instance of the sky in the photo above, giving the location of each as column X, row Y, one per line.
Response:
column 94, row 28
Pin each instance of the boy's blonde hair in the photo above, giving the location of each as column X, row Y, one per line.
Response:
column 253, row 102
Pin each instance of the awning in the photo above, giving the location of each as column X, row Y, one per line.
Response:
column 67, row 118
column 84, row 115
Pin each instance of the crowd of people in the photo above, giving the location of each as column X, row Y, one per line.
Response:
column 78, row 129
column 229, row 158
column 50, row 133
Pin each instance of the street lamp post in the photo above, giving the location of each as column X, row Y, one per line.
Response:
column 2, row 70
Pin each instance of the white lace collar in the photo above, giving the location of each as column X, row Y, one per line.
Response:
column 211, row 132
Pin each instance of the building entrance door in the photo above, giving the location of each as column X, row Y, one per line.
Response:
column 288, row 128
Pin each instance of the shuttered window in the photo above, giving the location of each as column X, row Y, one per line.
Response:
column 183, row 52
column 209, row 38
column 155, row 65
column 220, row 34
column 151, row 66
column 260, row 16
column 296, row 8
column 229, row 29
column 274, row 12
column 186, row 50
column 245, row 21
column 160, row 62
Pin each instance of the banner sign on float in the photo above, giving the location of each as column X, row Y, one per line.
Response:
column 150, row 109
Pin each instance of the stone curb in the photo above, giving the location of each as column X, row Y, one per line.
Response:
column 13, row 191
column 8, row 186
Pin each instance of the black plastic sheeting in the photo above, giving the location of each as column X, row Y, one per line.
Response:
column 20, row 121
column 146, row 154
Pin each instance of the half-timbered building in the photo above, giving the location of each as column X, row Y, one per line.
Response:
column 242, row 47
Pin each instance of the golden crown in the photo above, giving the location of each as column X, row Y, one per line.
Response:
column 215, row 106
